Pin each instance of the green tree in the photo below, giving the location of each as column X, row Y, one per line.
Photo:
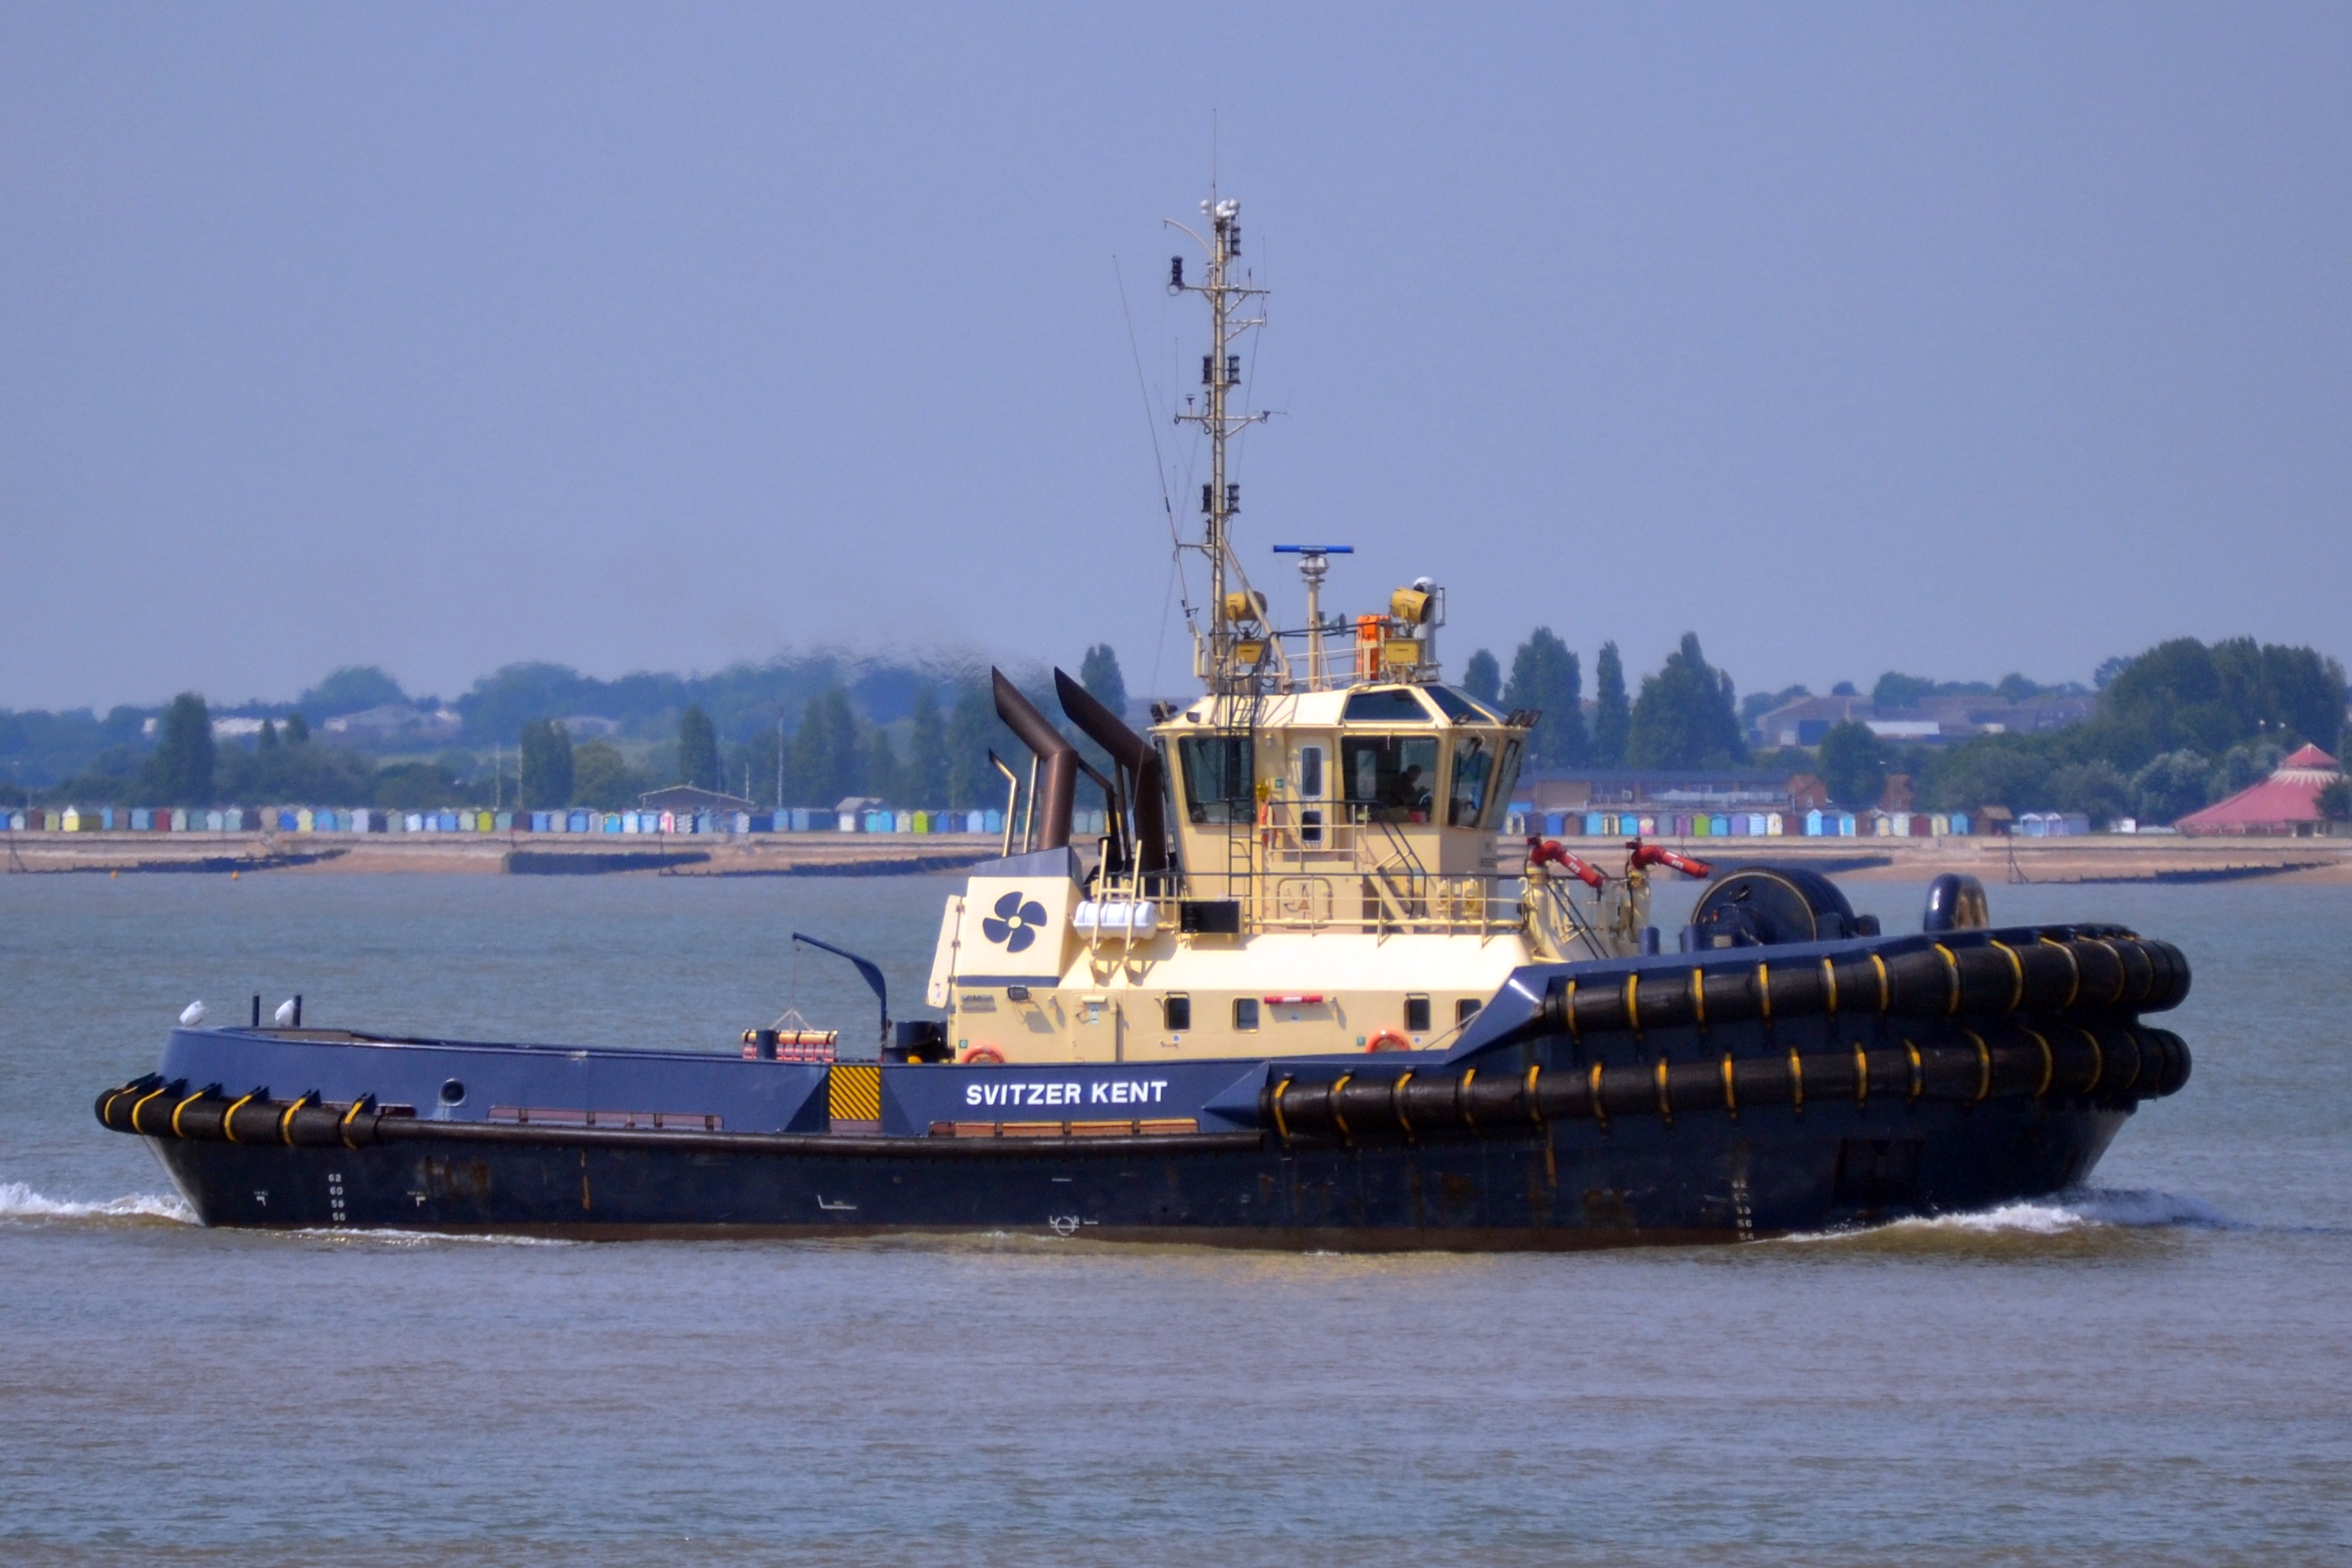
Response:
column 1686, row 716
column 297, row 729
column 2095, row 788
column 1613, row 716
column 181, row 772
column 1894, row 690
column 1481, row 677
column 416, row 786
column 353, row 689
column 1098, row 672
column 2016, row 688
column 547, row 765
column 825, row 764
column 972, row 728
column 2172, row 785
column 1991, row 771
column 2336, row 802
column 927, row 750
column 1546, row 676
column 757, row 759
column 697, row 750
column 268, row 739
column 884, row 777
column 2184, row 694
column 601, row 777
column 1853, row 765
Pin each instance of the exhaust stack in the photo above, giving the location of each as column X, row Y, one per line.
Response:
column 1057, row 786
column 1138, row 761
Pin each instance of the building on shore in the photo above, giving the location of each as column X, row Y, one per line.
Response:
column 2284, row 805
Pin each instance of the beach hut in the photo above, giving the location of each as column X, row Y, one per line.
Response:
column 305, row 820
column 1719, row 827
column 1960, row 823
column 1776, row 825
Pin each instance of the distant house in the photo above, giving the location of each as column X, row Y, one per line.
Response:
column 2285, row 804
column 682, row 799
column 1807, row 719
column 395, row 724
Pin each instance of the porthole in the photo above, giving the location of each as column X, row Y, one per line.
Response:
column 453, row 1091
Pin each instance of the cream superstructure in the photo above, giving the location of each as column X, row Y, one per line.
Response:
column 1304, row 859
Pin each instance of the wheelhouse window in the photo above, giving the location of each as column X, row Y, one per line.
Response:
column 1392, row 776
column 1474, row 770
column 1459, row 708
column 1244, row 1014
column 1506, row 777
column 1176, row 1012
column 1217, row 778
column 1416, row 1015
column 1384, row 705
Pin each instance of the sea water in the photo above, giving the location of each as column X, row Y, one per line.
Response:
column 2154, row 1371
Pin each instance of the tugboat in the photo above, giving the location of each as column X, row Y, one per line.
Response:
column 1297, row 995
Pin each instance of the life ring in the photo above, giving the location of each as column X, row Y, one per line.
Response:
column 1388, row 1040
column 982, row 1055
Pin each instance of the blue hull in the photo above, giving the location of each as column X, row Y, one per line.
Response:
column 1656, row 1099
column 1572, row 1186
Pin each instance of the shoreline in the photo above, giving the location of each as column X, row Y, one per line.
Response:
column 494, row 854
column 2094, row 859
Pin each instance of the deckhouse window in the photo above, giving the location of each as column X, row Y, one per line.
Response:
column 1384, row 705
column 1217, row 778
column 1394, row 775
column 1474, row 768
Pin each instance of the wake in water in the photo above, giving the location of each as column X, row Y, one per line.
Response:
column 2066, row 1214
column 19, row 1201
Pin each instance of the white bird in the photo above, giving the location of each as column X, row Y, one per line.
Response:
column 285, row 1013
column 192, row 1015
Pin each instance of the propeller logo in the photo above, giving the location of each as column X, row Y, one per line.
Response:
column 1015, row 923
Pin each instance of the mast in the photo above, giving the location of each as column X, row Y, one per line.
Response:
column 1220, row 376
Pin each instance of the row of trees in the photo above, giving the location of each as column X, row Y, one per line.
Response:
column 2177, row 728
column 1686, row 714
column 935, row 755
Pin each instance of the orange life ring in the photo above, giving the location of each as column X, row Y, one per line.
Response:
column 1388, row 1040
column 982, row 1054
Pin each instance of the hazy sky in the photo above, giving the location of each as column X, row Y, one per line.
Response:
column 1954, row 339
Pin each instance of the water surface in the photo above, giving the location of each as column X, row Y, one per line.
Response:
column 2156, row 1371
